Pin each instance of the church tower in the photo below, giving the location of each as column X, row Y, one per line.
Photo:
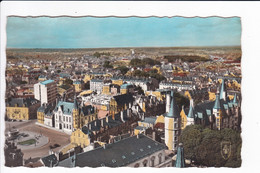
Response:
column 75, row 114
column 217, row 112
column 172, row 123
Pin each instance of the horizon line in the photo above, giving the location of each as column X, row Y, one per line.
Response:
column 133, row 47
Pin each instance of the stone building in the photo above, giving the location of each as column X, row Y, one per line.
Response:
column 134, row 151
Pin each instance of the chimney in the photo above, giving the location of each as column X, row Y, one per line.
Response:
column 154, row 135
column 89, row 126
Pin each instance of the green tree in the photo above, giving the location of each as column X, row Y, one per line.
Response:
column 123, row 69
column 181, row 100
column 204, row 146
column 191, row 138
column 107, row 65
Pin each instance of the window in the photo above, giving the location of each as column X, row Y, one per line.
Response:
column 63, row 118
column 152, row 161
column 160, row 158
column 66, row 119
column 70, row 119
column 70, row 126
column 145, row 163
column 136, row 165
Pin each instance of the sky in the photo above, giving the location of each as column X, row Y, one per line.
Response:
column 92, row 32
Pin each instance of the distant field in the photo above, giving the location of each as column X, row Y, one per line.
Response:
column 152, row 52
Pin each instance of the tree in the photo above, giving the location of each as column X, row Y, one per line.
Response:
column 123, row 69
column 107, row 65
column 181, row 100
column 191, row 138
column 204, row 146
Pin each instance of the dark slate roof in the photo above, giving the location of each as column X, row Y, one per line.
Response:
column 45, row 108
column 118, row 154
column 87, row 110
column 66, row 87
column 22, row 101
column 49, row 160
column 67, row 107
column 123, row 98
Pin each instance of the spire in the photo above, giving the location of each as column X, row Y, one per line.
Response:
column 180, row 163
column 217, row 103
column 174, row 111
column 235, row 98
column 222, row 90
column 75, row 103
column 191, row 114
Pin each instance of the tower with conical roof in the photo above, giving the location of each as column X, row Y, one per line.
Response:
column 172, row 122
column 190, row 116
column 217, row 112
column 180, row 161
column 75, row 114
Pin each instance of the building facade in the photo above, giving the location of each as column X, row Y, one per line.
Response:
column 45, row 91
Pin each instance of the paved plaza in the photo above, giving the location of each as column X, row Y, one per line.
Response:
column 49, row 137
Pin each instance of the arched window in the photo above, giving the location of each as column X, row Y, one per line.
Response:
column 152, row 161
column 160, row 158
column 145, row 163
column 136, row 165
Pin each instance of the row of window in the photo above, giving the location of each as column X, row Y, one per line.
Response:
column 65, row 119
column 145, row 162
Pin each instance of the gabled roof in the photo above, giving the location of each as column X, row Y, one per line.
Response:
column 67, row 107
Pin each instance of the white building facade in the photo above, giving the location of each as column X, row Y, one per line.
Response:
column 45, row 91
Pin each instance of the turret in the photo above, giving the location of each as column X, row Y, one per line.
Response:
column 172, row 125
column 217, row 112
column 180, row 161
column 190, row 116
